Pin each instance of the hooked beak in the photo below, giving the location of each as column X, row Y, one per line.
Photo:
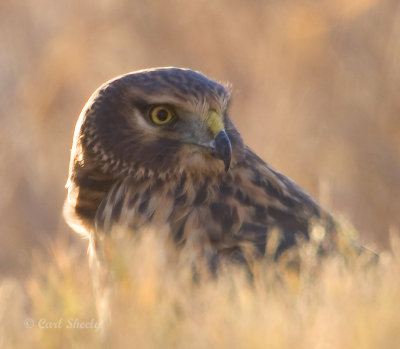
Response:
column 221, row 148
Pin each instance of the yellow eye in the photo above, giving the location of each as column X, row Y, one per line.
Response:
column 161, row 115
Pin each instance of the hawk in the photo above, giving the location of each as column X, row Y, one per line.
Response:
column 156, row 148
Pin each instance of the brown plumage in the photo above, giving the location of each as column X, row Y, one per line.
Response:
column 156, row 148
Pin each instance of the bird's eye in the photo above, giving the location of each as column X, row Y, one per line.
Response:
column 161, row 115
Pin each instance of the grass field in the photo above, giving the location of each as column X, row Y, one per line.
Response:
column 156, row 304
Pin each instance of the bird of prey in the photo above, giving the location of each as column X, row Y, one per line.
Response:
column 156, row 148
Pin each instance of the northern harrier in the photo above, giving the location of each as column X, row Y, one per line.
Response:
column 156, row 148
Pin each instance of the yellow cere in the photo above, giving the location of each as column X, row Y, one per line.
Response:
column 214, row 122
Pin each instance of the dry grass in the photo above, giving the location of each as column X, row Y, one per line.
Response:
column 157, row 304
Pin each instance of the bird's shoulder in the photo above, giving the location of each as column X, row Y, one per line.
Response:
column 225, row 211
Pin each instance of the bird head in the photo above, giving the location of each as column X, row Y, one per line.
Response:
column 160, row 121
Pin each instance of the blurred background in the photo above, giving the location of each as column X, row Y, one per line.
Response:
column 315, row 86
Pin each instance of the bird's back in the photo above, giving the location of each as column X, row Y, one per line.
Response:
column 225, row 217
